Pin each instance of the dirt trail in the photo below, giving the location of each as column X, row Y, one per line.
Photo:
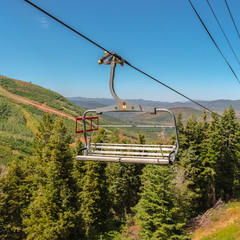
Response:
column 43, row 107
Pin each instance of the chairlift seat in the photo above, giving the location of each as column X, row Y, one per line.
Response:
column 129, row 153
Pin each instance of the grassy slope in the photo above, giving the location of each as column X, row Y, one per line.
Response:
column 224, row 224
column 19, row 121
column 40, row 94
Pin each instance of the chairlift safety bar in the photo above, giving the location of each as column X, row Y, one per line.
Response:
column 137, row 126
column 92, row 128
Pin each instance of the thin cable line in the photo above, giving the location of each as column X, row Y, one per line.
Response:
column 213, row 41
column 232, row 18
column 223, row 32
column 200, row 105
column 170, row 88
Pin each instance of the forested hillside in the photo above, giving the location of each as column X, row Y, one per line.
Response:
column 46, row 194
column 22, row 106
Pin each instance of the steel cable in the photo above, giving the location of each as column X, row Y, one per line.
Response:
column 223, row 32
column 213, row 40
column 67, row 26
column 232, row 18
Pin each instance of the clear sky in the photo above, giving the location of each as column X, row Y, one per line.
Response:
column 163, row 38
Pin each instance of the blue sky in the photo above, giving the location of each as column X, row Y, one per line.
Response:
column 163, row 38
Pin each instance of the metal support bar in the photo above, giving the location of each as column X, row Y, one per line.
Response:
column 111, row 83
column 158, row 161
column 137, row 126
column 173, row 155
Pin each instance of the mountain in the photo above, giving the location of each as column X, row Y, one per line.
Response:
column 216, row 105
column 186, row 109
column 84, row 101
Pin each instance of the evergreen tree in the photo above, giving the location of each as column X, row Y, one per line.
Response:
column 114, row 138
column 123, row 182
column 141, row 139
column 42, row 137
column 188, row 183
column 192, row 161
column 14, row 198
column 101, row 136
column 51, row 212
column 210, row 161
column 227, row 165
column 181, row 134
column 221, row 162
column 155, row 210
column 93, row 199
column 92, row 196
column 193, row 133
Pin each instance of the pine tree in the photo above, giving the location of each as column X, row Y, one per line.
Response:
column 155, row 210
column 101, row 136
column 92, row 196
column 14, row 199
column 193, row 133
column 188, row 184
column 193, row 161
column 93, row 199
column 114, row 138
column 141, row 139
column 181, row 137
column 51, row 212
column 210, row 161
column 228, row 163
column 123, row 183
column 221, row 162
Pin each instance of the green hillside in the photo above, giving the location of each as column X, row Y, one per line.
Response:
column 19, row 121
column 40, row 94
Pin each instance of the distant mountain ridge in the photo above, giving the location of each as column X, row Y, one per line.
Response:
column 215, row 105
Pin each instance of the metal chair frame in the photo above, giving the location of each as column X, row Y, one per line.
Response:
column 127, row 153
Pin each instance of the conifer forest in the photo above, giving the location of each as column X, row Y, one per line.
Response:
column 50, row 195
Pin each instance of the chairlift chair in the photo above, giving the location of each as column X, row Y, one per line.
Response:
column 124, row 153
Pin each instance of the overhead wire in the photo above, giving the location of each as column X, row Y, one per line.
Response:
column 130, row 65
column 232, row 18
column 219, row 24
column 200, row 19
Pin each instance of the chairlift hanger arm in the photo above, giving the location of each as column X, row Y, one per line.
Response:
column 121, row 106
column 108, row 59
